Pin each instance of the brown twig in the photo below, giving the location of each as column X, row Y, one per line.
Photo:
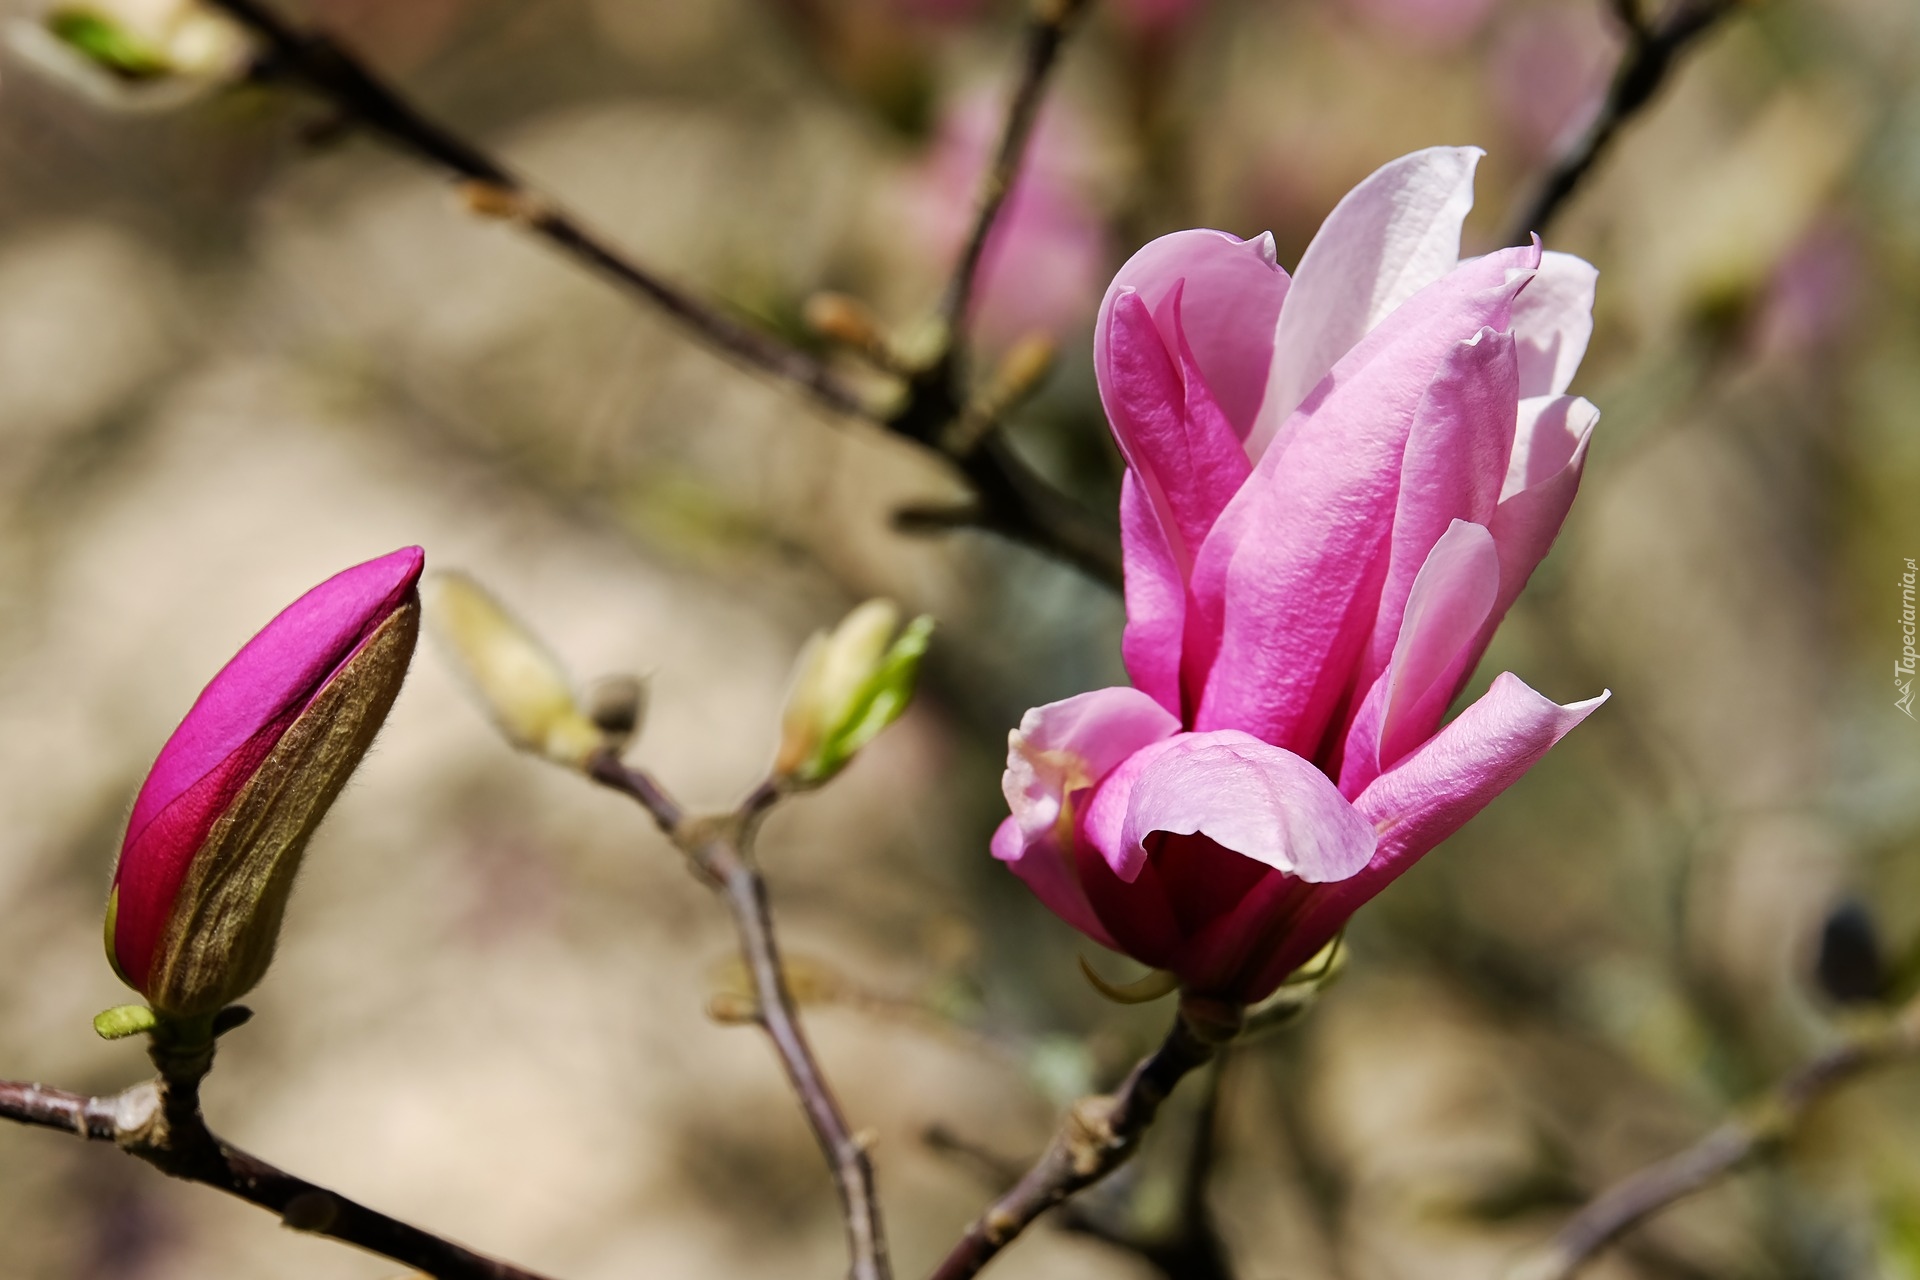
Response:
column 1653, row 47
column 1190, row 1248
column 1727, row 1149
column 1098, row 1135
column 160, row 1123
column 328, row 69
column 1012, row 499
column 1051, row 23
column 719, row 849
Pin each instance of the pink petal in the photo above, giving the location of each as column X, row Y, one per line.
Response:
column 1173, row 434
column 1390, row 237
column 1431, row 794
column 1445, row 613
column 1550, row 432
column 1156, row 600
column 1250, row 798
column 1553, row 321
column 1456, row 459
column 1282, row 599
column 1066, row 747
column 1233, row 294
column 1526, row 522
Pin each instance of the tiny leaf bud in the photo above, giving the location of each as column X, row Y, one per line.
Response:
column 516, row 678
column 135, row 54
column 848, row 686
column 617, row 705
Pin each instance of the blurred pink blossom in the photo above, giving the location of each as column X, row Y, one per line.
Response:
column 941, row 10
column 1434, row 24
column 1548, row 69
column 1043, row 263
column 1814, row 292
column 1156, row 17
column 1336, row 486
column 396, row 34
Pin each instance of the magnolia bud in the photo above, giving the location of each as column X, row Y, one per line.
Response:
column 226, row 811
column 135, row 53
column 517, row 679
column 617, row 705
column 848, row 685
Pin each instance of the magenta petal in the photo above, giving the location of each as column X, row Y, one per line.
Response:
column 1230, row 953
column 1553, row 322
column 231, row 727
column 1156, row 600
column 1233, row 291
column 1282, row 598
column 1173, row 434
column 1047, row 867
column 1431, row 794
column 1390, row 237
column 1248, row 797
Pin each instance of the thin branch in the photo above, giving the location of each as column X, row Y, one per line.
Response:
column 1098, row 1135
column 1652, row 50
column 1727, row 1149
column 1052, row 21
column 1014, row 501
column 1191, row 1249
column 330, row 70
column 720, row 852
column 162, row 1126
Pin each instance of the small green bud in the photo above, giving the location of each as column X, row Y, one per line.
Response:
column 848, row 685
column 520, row 684
column 136, row 53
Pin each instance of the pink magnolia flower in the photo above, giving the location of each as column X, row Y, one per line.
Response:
column 1336, row 485
column 217, row 830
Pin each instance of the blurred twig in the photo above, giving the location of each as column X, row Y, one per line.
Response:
column 1051, row 23
column 160, row 1122
column 719, row 849
column 330, row 70
column 1729, row 1148
column 1653, row 47
column 1098, row 1135
column 1010, row 498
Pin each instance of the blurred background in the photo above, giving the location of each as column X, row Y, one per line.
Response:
column 240, row 350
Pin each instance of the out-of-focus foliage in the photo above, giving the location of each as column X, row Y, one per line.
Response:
column 238, row 349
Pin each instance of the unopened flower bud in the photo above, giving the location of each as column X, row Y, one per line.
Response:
column 516, row 678
column 846, row 320
column 848, row 685
column 617, row 705
column 219, row 826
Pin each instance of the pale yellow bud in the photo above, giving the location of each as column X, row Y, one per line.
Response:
column 135, row 54
column 848, row 685
column 516, row 678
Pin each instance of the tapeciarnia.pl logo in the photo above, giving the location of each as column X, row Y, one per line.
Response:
column 1903, row 668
